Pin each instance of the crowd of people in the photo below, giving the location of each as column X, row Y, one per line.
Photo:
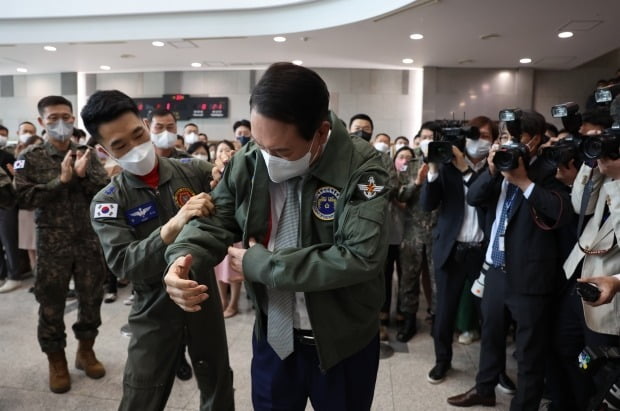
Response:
column 321, row 221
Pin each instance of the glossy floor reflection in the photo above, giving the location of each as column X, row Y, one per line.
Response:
column 401, row 383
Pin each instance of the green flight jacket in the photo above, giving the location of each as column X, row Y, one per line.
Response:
column 339, row 265
column 127, row 215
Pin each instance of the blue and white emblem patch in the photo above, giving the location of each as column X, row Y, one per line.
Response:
column 141, row 214
column 324, row 204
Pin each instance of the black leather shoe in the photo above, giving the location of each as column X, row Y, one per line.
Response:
column 184, row 371
column 506, row 385
column 408, row 330
column 471, row 398
column 438, row 373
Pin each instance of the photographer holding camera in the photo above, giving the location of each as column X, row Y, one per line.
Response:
column 527, row 204
column 458, row 238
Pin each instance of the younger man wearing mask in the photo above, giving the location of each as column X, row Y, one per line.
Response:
column 243, row 131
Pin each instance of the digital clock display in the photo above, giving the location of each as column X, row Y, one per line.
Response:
column 185, row 107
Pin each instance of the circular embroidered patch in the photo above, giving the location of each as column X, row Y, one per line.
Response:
column 182, row 196
column 324, row 204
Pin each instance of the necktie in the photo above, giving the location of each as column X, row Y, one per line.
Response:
column 498, row 254
column 281, row 302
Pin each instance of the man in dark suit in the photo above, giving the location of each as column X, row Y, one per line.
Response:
column 458, row 238
column 527, row 204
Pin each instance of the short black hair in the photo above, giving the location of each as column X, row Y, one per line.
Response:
column 532, row 123
column 550, row 128
column 189, row 124
column 362, row 116
column 26, row 122
column 179, row 137
column 432, row 126
column 226, row 142
column 242, row 123
column 598, row 117
column 105, row 106
column 159, row 112
column 52, row 101
column 294, row 95
column 401, row 138
column 2, row 128
column 195, row 146
column 78, row 132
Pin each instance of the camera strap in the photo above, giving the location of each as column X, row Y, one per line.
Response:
column 539, row 221
column 585, row 198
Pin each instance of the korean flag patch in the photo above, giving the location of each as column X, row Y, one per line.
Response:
column 19, row 164
column 106, row 210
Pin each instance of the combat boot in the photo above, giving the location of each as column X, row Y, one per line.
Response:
column 60, row 381
column 85, row 359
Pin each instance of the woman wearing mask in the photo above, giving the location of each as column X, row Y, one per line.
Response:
column 199, row 150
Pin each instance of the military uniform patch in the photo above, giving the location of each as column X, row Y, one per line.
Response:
column 110, row 190
column 19, row 164
column 370, row 190
column 141, row 214
column 185, row 160
column 324, row 204
column 182, row 196
column 106, row 210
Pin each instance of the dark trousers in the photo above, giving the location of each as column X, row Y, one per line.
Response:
column 532, row 315
column 393, row 256
column 569, row 387
column 286, row 385
column 9, row 263
column 450, row 282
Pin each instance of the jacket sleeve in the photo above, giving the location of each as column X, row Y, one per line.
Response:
column 432, row 193
column 138, row 260
column 613, row 189
column 357, row 254
column 485, row 190
column 96, row 177
column 550, row 199
column 31, row 195
column 7, row 195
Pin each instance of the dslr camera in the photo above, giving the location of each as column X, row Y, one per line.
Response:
column 606, row 144
column 452, row 135
column 507, row 156
column 563, row 151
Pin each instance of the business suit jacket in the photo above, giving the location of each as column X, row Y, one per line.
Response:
column 605, row 318
column 531, row 251
column 447, row 194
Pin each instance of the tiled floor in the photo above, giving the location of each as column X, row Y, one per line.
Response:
column 401, row 383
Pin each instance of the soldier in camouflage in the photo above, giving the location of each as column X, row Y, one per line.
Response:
column 59, row 181
column 415, row 249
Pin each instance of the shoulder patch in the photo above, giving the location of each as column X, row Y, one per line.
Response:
column 185, row 160
column 110, row 190
column 141, row 214
column 324, row 203
column 19, row 164
column 369, row 188
column 182, row 196
column 106, row 210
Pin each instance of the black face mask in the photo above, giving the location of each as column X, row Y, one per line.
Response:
column 361, row 133
column 243, row 140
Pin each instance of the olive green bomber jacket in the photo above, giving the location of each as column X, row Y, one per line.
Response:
column 339, row 265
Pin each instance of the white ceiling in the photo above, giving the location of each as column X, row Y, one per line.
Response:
column 321, row 33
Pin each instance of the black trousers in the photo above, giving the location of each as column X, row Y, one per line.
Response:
column 532, row 315
column 9, row 263
column 450, row 280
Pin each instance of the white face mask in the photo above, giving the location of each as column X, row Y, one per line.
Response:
column 3, row 141
column 24, row 137
column 203, row 157
column 382, row 147
column 140, row 160
column 60, row 130
column 424, row 147
column 281, row 170
column 165, row 139
column 191, row 138
column 477, row 149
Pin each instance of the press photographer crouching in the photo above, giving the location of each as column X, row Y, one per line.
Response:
column 528, row 205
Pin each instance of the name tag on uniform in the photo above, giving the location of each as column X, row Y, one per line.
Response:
column 141, row 214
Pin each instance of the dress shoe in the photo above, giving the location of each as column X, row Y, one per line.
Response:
column 408, row 330
column 469, row 337
column 471, row 398
column 438, row 373
column 10, row 285
column 506, row 385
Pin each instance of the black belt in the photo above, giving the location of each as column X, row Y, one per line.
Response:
column 467, row 246
column 497, row 267
column 304, row 336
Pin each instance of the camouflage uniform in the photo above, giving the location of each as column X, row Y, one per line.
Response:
column 66, row 243
column 417, row 241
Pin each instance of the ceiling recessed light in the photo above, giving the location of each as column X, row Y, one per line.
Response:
column 407, row 61
column 279, row 39
column 525, row 60
column 22, row 69
column 196, row 65
column 416, row 36
column 297, row 62
column 104, row 67
column 49, row 48
column 158, row 43
column 565, row 34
